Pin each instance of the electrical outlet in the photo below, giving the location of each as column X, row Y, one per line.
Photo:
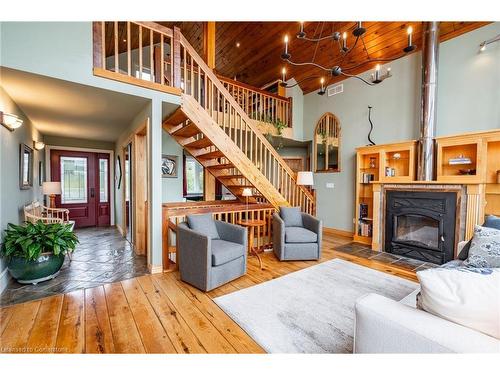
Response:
column 330, row 185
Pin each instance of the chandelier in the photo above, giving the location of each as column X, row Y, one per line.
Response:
column 344, row 50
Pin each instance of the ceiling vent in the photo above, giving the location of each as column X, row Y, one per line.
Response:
column 335, row 90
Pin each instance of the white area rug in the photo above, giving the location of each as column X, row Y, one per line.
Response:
column 312, row 310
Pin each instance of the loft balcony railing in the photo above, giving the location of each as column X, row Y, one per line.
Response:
column 148, row 54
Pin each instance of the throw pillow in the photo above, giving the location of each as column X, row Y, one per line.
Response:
column 464, row 295
column 291, row 216
column 491, row 221
column 485, row 248
column 203, row 224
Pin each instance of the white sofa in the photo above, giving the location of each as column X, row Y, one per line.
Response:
column 383, row 325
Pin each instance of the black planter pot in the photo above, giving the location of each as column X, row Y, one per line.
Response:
column 44, row 268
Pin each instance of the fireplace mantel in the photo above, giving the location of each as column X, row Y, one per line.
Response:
column 470, row 198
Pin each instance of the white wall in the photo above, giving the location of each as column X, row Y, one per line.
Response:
column 468, row 100
column 12, row 198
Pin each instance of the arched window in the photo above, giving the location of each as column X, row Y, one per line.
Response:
column 327, row 144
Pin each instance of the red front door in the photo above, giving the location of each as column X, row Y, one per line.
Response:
column 84, row 178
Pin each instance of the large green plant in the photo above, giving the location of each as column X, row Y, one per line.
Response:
column 31, row 240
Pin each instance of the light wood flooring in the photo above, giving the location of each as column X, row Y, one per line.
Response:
column 149, row 314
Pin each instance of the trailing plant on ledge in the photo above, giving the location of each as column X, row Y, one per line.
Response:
column 31, row 240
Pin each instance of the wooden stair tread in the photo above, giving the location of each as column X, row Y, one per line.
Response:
column 176, row 118
column 187, row 131
column 222, row 166
column 229, row 177
column 234, row 186
column 211, row 155
column 200, row 143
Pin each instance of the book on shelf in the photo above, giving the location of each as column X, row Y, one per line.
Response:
column 363, row 210
column 367, row 177
column 365, row 229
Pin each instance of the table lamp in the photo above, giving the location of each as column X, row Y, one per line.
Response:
column 247, row 192
column 52, row 188
column 305, row 178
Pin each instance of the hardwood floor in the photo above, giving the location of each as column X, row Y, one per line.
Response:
column 149, row 314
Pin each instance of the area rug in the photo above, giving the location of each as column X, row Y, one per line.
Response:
column 312, row 310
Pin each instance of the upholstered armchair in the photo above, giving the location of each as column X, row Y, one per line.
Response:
column 296, row 235
column 211, row 253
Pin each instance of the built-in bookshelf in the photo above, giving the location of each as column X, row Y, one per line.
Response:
column 390, row 162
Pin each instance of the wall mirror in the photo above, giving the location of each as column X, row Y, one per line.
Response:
column 25, row 167
column 326, row 144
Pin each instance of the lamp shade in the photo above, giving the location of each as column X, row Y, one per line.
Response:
column 247, row 192
column 305, row 178
column 51, row 187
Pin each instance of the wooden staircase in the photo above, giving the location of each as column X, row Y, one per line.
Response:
column 213, row 128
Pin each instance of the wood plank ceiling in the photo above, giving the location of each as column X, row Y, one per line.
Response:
column 257, row 59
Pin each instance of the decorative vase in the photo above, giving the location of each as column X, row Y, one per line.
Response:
column 44, row 268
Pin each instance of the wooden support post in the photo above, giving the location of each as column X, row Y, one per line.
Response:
column 209, row 56
column 209, row 43
column 97, row 43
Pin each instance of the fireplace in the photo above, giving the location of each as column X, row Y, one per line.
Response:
column 421, row 224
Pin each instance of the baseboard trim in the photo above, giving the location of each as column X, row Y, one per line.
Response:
column 4, row 279
column 338, row 232
column 155, row 269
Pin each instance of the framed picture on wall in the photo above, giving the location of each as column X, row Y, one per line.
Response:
column 169, row 166
column 40, row 173
column 118, row 171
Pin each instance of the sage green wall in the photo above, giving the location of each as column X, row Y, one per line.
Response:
column 297, row 109
column 172, row 187
column 64, row 50
column 12, row 198
column 468, row 100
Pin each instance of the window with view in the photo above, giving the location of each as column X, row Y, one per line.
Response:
column 73, row 180
column 194, row 177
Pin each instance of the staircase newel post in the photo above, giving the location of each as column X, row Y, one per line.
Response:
column 177, row 57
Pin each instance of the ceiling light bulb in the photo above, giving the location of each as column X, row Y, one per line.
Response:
column 286, row 38
column 344, row 35
column 322, row 80
column 409, row 30
column 483, row 47
column 283, row 71
column 237, row 44
column 378, row 67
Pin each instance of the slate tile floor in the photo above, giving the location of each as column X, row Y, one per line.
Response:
column 103, row 256
column 364, row 251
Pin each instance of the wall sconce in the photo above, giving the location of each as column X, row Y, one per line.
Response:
column 37, row 145
column 10, row 121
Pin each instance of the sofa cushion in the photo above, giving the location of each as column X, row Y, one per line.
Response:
column 485, row 248
column 465, row 295
column 225, row 251
column 491, row 221
column 299, row 235
column 203, row 224
column 291, row 216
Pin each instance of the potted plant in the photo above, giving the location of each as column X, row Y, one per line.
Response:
column 35, row 252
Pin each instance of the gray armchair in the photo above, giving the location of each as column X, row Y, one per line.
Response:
column 211, row 253
column 296, row 235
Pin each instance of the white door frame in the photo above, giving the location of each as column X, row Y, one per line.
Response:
column 111, row 153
